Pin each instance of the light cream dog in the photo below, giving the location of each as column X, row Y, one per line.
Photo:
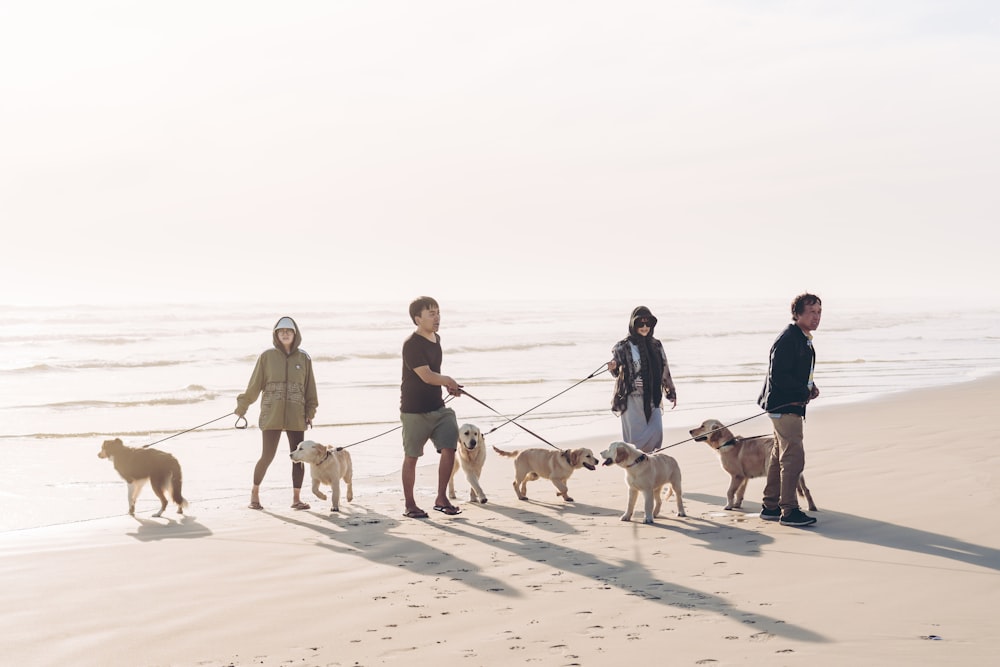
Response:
column 471, row 458
column 648, row 473
column 140, row 465
column 742, row 458
column 554, row 465
column 328, row 465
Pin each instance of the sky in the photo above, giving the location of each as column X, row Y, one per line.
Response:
column 360, row 150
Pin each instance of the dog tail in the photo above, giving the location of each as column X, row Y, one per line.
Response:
column 176, row 482
column 501, row 452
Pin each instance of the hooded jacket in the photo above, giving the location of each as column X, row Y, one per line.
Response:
column 624, row 372
column 789, row 366
column 286, row 385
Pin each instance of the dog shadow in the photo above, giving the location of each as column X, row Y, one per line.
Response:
column 166, row 528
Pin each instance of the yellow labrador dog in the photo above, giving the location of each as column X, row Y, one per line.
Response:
column 471, row 457
column 648, row 473
column 553, row 465
column 140, row 465
column 742, row 458
column 328, row 465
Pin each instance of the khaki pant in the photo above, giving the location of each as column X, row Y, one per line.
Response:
column 787, row 460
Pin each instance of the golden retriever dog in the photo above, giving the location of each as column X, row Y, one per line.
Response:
column 138, row 466
column 328, row 465
column 742, row 458
column 554, row 465
column 470, row 458
column 648, row 473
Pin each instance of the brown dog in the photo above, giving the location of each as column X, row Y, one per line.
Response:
column 553, row 465
column 471, row 457
column 328, row 465
column 742, row 458
column 137, row 466
column 648, row 473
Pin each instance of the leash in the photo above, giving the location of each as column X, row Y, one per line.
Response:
column 509, row 421
column 374, row 437
column 194, row 428
column 598, row 371
column 724, row 426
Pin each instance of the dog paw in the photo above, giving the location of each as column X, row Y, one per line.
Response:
column 647, row 520
column 681, row 514
column 482, row 501
column 626, row 517
column 334, row 509
column 320, row 495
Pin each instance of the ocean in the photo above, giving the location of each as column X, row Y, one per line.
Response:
column 169, row 374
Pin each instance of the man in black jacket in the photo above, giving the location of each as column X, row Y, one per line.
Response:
column 788, row 388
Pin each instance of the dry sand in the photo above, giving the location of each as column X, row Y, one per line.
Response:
column 902, row 568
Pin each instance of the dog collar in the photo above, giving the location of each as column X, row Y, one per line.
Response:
column 329, row 453
column 639, row 459
column 728, row 443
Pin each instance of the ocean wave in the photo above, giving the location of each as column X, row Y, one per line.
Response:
column 188, row 396
column 93, row 365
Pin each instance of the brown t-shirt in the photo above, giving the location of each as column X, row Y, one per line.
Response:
column 415, row 394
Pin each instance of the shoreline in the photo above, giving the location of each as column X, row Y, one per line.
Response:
column 548, row 581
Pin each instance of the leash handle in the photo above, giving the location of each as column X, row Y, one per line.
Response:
column 237, row 424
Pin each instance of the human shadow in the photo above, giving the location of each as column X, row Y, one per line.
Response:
column 627, row 574
column 167, row 528
column 853, row 528
column 366, row 534
column 850, row 527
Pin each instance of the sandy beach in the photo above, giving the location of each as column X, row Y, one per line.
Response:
column 903, row 566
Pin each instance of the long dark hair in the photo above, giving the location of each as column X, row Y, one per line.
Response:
column 650, row 360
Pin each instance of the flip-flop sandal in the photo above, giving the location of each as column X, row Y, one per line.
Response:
column 255, row 506
column 450, row 510
column 300, row 506
column 415, row 514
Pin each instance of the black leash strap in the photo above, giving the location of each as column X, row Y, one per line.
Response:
column 766, row 412
column 380, row 434
column 600, row 369
column 193, row 428
column 511, row 421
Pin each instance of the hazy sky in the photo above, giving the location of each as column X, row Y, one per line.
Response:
column 320, row 151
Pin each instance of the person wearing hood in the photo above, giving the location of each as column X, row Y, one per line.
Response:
column 642, row 380
column 283, row 377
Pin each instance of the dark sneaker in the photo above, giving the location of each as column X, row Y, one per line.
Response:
column 770, row 515
column 797, row 518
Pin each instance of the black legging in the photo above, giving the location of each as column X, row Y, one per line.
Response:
column 270, row 448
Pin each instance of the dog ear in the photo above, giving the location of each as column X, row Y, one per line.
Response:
column 620, row 454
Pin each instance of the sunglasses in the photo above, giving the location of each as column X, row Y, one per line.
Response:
column 643, row 322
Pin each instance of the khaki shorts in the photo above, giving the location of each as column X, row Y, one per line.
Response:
column 440, row 427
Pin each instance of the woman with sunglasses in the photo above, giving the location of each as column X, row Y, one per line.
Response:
column 642, row 379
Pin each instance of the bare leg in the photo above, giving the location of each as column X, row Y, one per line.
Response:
column 445, row 468
column 409, row 479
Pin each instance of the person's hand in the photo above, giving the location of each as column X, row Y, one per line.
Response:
column 454, row 388
column 612, row 365
column 814, row 392
column 309, row 423
column 673, row 402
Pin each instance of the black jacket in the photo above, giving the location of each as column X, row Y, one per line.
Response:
column 792, row 360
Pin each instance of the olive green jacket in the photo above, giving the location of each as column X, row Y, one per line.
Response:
column 287, row 388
